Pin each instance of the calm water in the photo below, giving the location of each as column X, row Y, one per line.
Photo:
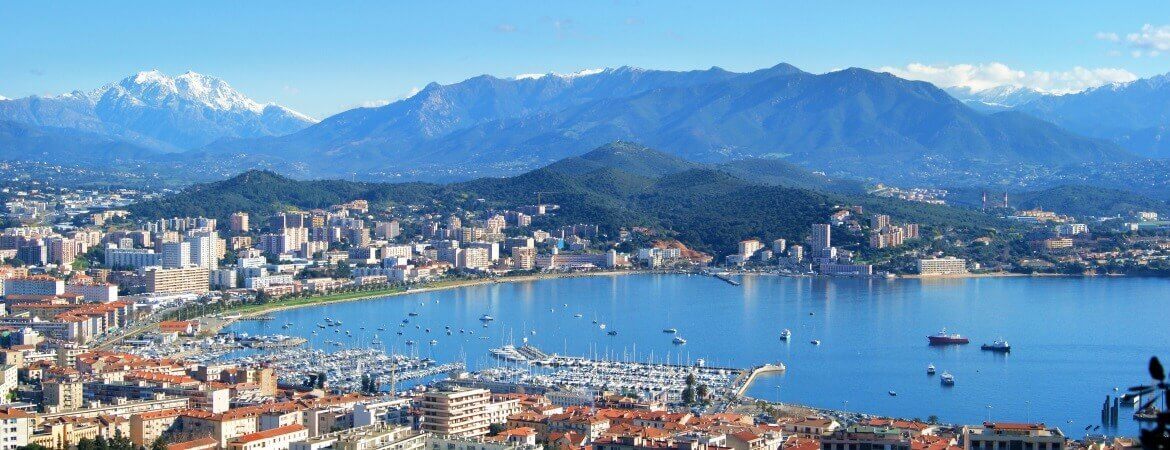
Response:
column 1074, row 339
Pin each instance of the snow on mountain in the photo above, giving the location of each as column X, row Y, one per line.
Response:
column 152, row 109
column 565, row 76
column 996, row 98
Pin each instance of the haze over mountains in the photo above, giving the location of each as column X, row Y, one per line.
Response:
column 852, row 123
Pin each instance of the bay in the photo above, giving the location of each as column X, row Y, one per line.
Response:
column 1074, row 340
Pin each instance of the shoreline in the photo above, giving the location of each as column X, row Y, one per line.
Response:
column 439, row 286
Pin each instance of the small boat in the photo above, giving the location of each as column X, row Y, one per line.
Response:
column 670, row 330
column 409, row 342
column 679, row 340
column 578, row 315
column 602, row 326
column 784, row 335
column 486, row 318
column 412, row 314
column 533, row 332
column 893, row 394
column 930, row 370
column 947, row 379
column 942, row 338
column 815, row 342
column 612, row 333
column 999, row 345
column 320, row 326
column 433, row 342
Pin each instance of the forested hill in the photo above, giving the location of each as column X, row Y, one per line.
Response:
column 615, row 186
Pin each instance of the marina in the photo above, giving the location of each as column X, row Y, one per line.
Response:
column 647, row 380
column 344, row 369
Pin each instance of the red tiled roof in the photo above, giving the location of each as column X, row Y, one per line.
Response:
column 266, row 434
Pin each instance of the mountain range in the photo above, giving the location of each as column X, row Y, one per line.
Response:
column 855, row 122
column 152, row 111
column 847, row 124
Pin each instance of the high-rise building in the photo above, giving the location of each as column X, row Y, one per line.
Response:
column 178, row 281
column 474, row 258
column 749, row 247
column 779, row 245
column 879, row 222
column 387, row 230
column 62, row 395
column 459, row 412
column 239, row 222
column 821, row 237
column 176, row 254
column 524, row 258
column 203, row 246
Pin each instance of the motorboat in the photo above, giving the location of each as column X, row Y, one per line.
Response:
column 612, row 333
column 486, row 318
column 670, row 330
column 815, row 342
column 786, row 334
column 930, row 370
column 947, row 379
column 679, row 340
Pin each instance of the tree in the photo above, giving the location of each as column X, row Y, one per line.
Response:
column 159, row 444
column 932, row 419
column 702, row 392
column 688, row 395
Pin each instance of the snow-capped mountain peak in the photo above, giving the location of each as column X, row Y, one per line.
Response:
column 563, row 76
column 158, row 111
column 153, row 88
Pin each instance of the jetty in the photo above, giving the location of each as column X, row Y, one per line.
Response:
column 745, row 380
column 725, row 277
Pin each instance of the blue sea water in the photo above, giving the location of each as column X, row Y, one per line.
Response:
column 1073, row 339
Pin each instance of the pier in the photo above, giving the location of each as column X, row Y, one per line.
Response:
column 745, row 380
column 725, row 277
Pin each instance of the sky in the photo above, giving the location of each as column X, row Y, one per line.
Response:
column 321, row 58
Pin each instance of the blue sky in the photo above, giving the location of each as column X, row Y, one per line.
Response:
column 325, row 57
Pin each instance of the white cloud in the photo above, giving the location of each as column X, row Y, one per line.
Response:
column 1150, row 38
column 1111, row 37
column 1150, row 41
column 980, row 77
column 3, row 97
